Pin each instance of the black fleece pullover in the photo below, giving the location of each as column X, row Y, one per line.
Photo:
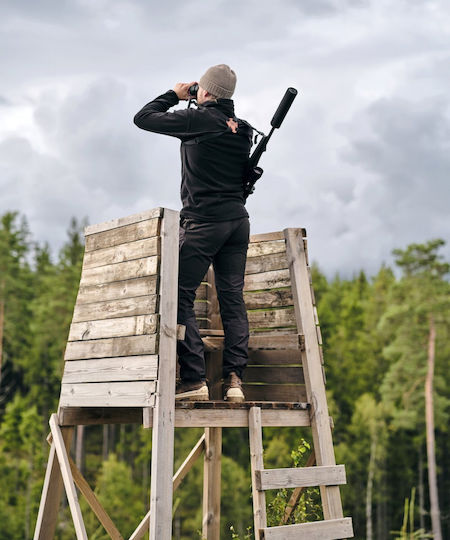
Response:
column 212, row 169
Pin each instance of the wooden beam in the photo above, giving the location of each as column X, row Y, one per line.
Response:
column 51, row 491
column 228, row 417
column 123, row 221
column 66, row 473
column 300, row 477
column 108, row 394
column 94, row 503
column 178, row 477
column 332, row 529
column 164, row 412
column 256, row 462
column 212, row 483
column 312, row 367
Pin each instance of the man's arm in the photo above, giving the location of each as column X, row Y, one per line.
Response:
column 154, row 116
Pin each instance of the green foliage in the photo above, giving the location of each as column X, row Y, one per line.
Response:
column 407, row 531
column 375, row 348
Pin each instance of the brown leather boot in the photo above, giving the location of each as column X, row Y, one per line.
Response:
column 192, row 390
column 233, row 388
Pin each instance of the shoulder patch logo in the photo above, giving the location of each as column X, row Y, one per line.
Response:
column 232, row 125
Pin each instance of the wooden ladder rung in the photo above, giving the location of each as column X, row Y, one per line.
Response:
column 330, row 529
column 300, row 477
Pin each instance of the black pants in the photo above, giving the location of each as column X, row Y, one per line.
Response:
column 225, row 244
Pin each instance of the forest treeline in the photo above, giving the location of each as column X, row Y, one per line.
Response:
column 386, row 349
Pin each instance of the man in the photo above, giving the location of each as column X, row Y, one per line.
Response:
column 214, row 224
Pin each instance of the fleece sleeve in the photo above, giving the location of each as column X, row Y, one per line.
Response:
column 154, row 116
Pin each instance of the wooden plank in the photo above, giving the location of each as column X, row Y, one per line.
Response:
column 271, row 317
column 211, row 483
column 274, row 392
column 281, row 341
column 228, row 417
column 201, row 309
column 123, row 368
column 267, row 280
column 129, row 288
column 128, row 233
column 111, row 309
column 211, row 332
column 266, row 263
column 300, row 477
column 257, row 463
column 259, row 248
column 273, row 358
column 116, row 327
column 108, row 347
column 273, row 375
column 66, row 474
column 121, row 222
column 331, row 529
column 147, row 266
column 164, row 413
column 108, row 394
column 312, row 368
column 266, row 237
column 51, row 491
column 201, row 292
column 195, row 453
column 267, row 299
column 147, row 247
column 94, row 503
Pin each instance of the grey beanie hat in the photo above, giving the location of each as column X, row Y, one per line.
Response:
column 220, row 81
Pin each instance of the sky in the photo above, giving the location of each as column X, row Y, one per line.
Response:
column 362, row 160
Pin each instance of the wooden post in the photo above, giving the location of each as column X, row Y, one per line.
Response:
column 212, row 483
column 257, row 464
column 164, row 412
column 312, row 368
column 51, row 491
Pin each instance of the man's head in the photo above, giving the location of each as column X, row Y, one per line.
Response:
column 217, row 82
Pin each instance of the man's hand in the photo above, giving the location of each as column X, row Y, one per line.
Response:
column 182, row 90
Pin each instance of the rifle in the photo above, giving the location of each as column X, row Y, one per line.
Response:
column 253, row 173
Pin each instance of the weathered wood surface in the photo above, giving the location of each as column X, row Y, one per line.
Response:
column 108, row 347
column 164, row 412
column 298, row 415
column 94, row 503
column 108, row 394
column 274, row 358
column 272, row 317
column 116, row 327
column 124, row 221
column 124, row 368
column 267, row 280
column 212, row 483
column 258, row 248
column 281, row 341
column 201, row 309
column 274, row 375
column 147, row 266
column 274, row 392
column 266, row 263
column 266, row 237
column 147, row 247
column 51, row 491
column 126, row 307
column 296, row 493
column 311, row 361
column 332, row 529
column 257, row 463
column 268, row 299
column 66, row 474
column 300, row 477
column 129, row 288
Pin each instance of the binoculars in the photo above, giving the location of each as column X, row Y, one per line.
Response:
column 193, row 91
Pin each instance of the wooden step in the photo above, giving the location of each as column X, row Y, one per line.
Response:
column 300, row 477
column 331, row 529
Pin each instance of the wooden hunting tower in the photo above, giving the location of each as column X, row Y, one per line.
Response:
column 120, row 367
